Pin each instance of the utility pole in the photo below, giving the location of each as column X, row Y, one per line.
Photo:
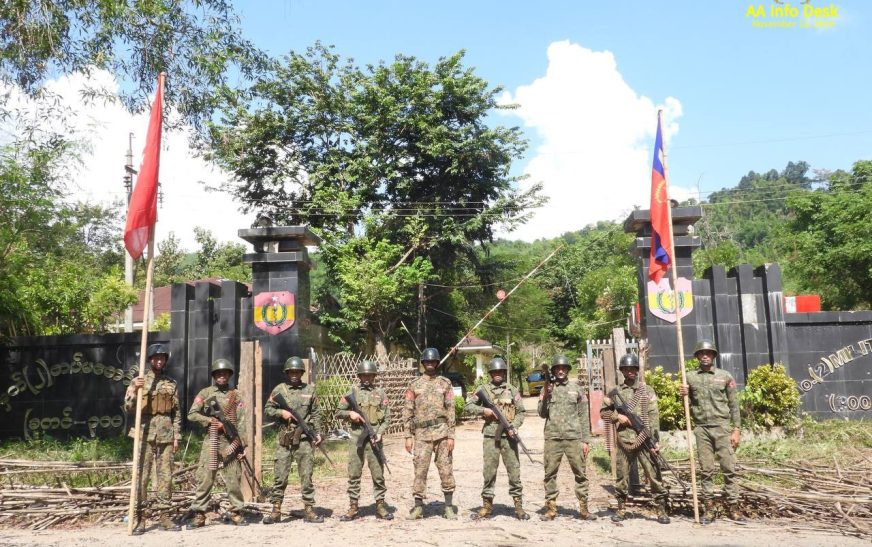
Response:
column 129, row 171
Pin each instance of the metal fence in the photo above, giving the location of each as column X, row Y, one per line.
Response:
column 590, row 369
column 334, row 374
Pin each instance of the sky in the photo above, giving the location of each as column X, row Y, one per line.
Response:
column 588, row 79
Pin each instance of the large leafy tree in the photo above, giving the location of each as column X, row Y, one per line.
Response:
column 393, row 165
column 196, row 42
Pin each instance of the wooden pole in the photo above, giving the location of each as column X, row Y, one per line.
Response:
column 675, row 303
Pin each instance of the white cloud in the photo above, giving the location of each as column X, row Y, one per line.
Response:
column 105, row 127
column 597, row 136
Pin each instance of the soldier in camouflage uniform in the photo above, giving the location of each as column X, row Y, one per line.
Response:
column 373, row 401
column 160, row 432
column 230, row 402
column 292, row 444
column 428, row 423
column 567, row 432
column 642, row 402
column 714, row 407
column 507, row 398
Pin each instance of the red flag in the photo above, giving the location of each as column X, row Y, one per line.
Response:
column 661, row 241
column 142, row 212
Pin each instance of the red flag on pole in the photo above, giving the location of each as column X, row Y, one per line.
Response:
column 142, row 212
column 661, row 241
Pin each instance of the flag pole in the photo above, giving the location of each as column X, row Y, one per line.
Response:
column 675, row 303
column 133, row 506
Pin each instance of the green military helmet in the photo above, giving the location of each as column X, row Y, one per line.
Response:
column 367, row 367
column 430, row 354
column 705, row 345
column 294, row 363
column 629, row 361
column 221, row 364
column 157, row 349
column 560, row 361
column 497, row 364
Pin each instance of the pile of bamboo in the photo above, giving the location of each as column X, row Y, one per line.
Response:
column 834, row 495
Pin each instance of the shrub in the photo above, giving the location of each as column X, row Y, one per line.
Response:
column 669, row 403
column 770, row 397
column 459, row 407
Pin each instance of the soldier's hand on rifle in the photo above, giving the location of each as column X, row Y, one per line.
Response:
column 489, row 414
column 355, row 417
column 286, row 416
column 510, row 433
column 377, row 439
column 241, row 455
column 734, row 439
column 585, row 448
column 656, row 449
column 683, row 390
column 549, row 388
column 219, row 427
column 410, row 445
column 318, row 440
column 623, row 420
column 138, row 382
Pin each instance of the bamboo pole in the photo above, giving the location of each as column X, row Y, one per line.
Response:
column 680, row 337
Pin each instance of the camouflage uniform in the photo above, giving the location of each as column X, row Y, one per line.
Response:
column 231, row 403
column 643, row 403
column 290, row 446
column 161, row 426
column 508, row 399
column 428, row 417
column 373, row 401
column 714, row 407
column 567, row 427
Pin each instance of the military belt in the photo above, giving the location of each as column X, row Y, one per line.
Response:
column 431, row 423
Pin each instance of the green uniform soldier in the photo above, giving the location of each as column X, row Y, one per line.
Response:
column 714, row 407
column 214, row 453
column 642, row 402
column 293, row 444
column 160, row 430
column 373, row 402
column 567, row 433
column 428, row 424
column 507, row 398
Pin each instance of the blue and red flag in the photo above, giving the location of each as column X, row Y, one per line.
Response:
column 661, row 244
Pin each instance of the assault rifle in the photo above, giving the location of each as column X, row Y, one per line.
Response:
column 368, row 433
column 302, row 427
column 637, row 425
column 546, row 397
column 504, row 424
column 212, row 408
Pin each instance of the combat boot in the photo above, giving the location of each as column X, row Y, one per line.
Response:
column 417, row 512
column 236, row 519
column 381, row 510
column 520, row 514
column 275, row 516
column 708, row 514
column 353, row 511
column 449, row 512
column 166, row 523
column 309, row 514
column 198, row 521
column 583, row 512
column 734, row 514
column 550, row 510
column 620, row 512
column 662, row 514
column 487, row 508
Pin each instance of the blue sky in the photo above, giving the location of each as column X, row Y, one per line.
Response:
column 589, row 78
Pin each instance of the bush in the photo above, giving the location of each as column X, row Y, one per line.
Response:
column 770, row 397
column 669, row 403
column 459, row 407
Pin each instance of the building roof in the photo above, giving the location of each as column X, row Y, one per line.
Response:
column 473, row 344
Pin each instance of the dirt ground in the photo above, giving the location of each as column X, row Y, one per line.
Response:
column 503, row 529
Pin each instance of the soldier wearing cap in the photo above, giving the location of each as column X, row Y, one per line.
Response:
column 213, row 455
column 641, row 401
column 508, row 399
column 567, row 433
column 292, row 444
column 161, row 429
column 373, row 402
column 428, row 424
column 714, row 407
